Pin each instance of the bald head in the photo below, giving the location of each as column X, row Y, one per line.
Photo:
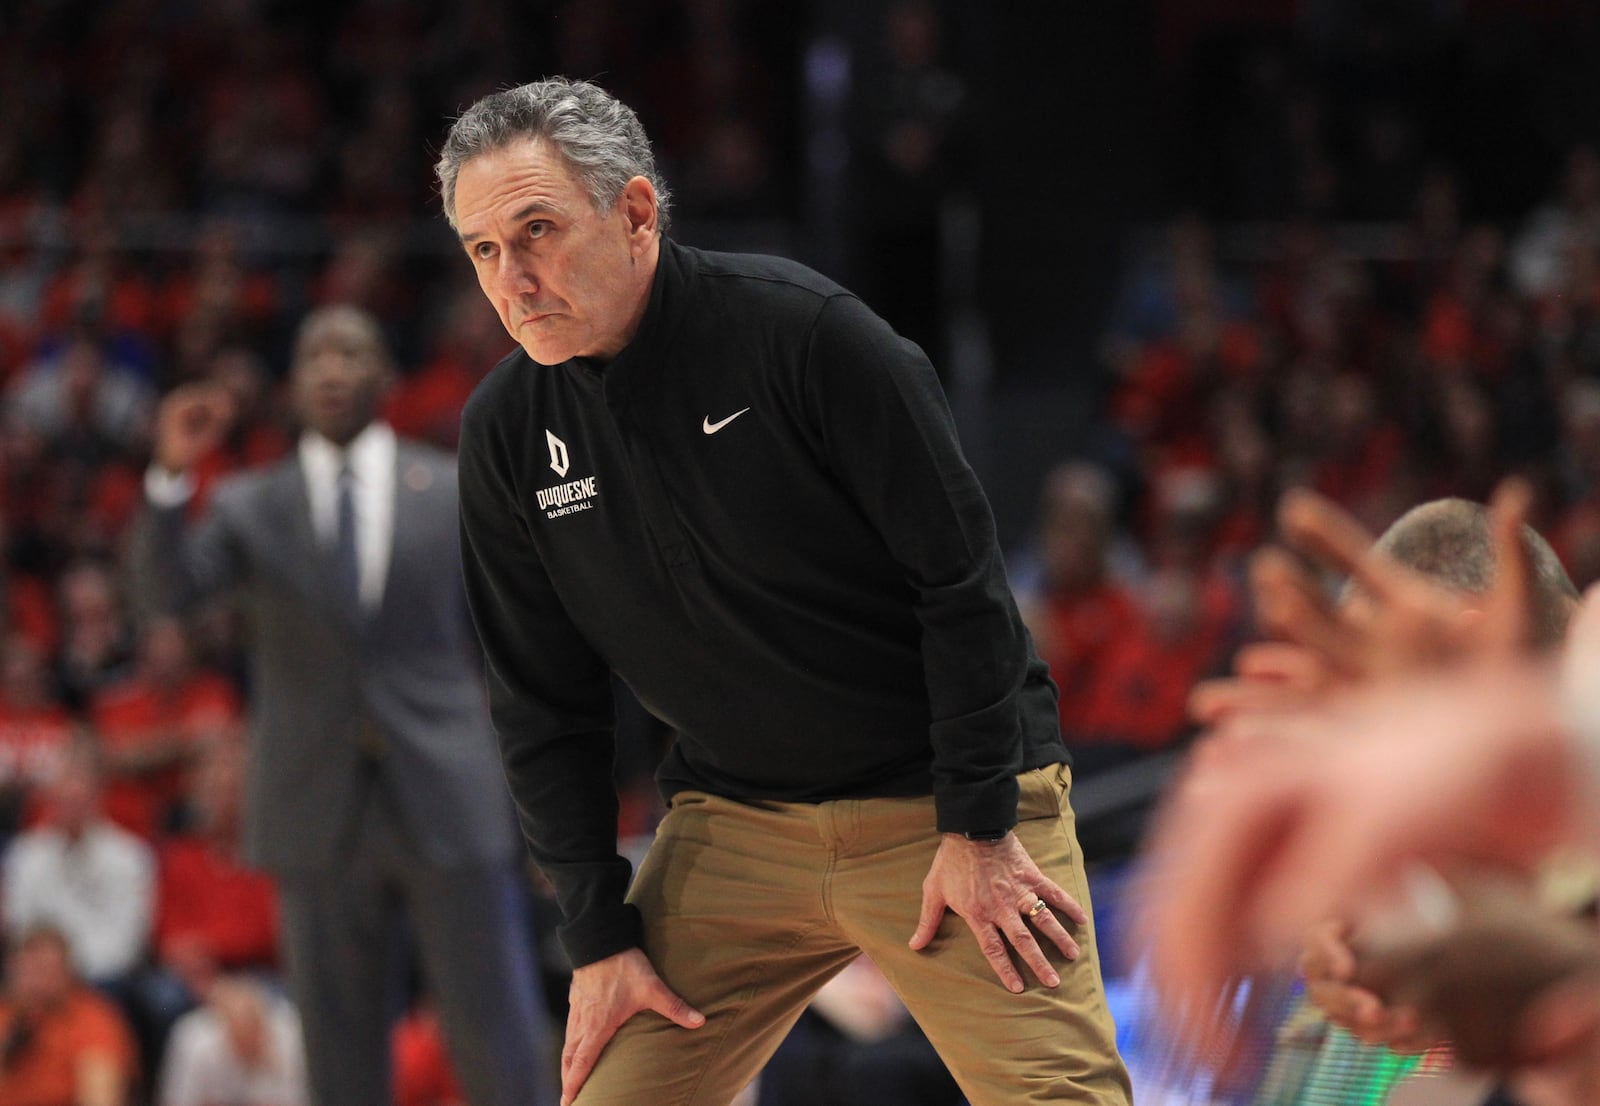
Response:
column 1449, row 541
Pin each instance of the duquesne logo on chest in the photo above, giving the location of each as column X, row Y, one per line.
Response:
column 570, row 497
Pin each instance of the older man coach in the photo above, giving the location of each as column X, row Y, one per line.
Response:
column 725, row 480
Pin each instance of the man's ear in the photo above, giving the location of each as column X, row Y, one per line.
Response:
column 639, row 206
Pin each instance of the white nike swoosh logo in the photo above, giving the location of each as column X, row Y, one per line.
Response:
column 712, row 427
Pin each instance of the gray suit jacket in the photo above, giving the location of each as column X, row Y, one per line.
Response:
column 328, row 680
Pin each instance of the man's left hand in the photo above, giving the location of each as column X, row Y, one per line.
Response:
column 998, row 889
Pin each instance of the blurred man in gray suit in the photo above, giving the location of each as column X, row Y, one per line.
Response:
column 376, row 783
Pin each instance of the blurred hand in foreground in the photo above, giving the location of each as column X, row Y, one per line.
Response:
column 1294, row 814
column 1393, row 619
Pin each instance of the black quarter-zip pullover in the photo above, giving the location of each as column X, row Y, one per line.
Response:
column 758, row 517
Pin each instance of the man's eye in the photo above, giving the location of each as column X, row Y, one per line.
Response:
column 484, row 250
column 537, row 229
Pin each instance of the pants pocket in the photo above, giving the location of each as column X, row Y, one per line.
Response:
column 1040, row 793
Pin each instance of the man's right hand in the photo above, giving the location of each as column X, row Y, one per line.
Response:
column 603, row 996
column 1328, row 964
column 190, row 422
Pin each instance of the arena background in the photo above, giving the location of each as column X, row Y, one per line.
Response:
column 1207, row 249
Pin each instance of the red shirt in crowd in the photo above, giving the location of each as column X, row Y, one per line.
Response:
column 1142, row 696
column 1080, row 626
column 1363, row 470
column 206, row 897
column 427, row 406
column 31, row 612
column 33, row 742
column 249, row 447
column 134, row 714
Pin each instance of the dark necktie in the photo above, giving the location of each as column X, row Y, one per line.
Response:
column 346, row 565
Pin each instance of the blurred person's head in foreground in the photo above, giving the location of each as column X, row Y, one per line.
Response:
column 341, row 372
column 1448, row 540
column 553, row 189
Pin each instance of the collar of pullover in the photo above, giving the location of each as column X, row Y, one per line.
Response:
column 674, row 272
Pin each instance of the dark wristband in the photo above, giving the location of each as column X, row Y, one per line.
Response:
column 986, row 837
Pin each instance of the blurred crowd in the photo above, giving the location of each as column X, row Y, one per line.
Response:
column 294, row 140
column 1459, row 353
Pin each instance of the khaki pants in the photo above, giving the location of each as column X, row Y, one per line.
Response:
column 750, row 908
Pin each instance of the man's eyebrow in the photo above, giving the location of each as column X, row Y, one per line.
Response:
column 537, row 207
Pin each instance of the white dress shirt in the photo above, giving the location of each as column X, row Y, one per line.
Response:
column 371, row 457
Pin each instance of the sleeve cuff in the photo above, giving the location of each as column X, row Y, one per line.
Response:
column 976, row 760
column 167, row 489
column 976, row 807
column 592, row 939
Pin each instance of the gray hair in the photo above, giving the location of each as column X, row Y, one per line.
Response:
column 597, row 134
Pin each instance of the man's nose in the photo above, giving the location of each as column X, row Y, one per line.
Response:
column 516, row 276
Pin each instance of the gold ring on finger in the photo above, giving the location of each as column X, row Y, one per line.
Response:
column 1039, row 907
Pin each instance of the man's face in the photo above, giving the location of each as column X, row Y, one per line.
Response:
column 340, row 376
column 566, row 280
